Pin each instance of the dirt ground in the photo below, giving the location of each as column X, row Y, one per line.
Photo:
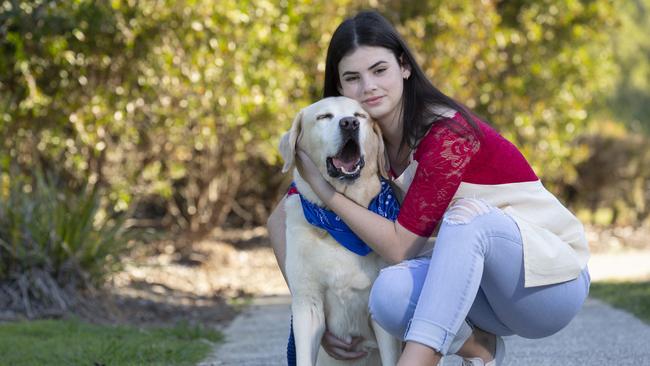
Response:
column 208, row 286
column 222, row 273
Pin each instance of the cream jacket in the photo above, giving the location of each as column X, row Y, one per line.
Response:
column 555, row 245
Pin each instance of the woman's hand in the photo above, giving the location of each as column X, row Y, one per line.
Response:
column 310, row 173
column 340, row 349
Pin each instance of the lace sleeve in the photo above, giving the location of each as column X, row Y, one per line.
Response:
column 443, row 157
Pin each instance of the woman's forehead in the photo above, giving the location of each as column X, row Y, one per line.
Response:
column 364, row 57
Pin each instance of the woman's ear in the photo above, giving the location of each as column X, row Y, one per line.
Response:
column 405, row 67
column 288, row 143
column 382, row 162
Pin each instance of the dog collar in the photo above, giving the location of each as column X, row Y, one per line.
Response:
column 384, row 204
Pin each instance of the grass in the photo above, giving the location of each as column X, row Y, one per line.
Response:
column 633, row 297
column 72, row 342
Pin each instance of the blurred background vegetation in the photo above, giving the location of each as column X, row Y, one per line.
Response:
column 165, row 114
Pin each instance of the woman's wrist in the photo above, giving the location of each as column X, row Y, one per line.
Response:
column 325, row 192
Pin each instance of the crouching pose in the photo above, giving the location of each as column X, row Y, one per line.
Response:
column 509, row 258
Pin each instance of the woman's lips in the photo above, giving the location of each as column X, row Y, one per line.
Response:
column 373, row 101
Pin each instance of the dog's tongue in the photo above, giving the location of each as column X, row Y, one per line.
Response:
column 346, row 166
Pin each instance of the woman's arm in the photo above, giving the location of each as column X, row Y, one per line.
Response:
column 389, row 239
column 276, row 226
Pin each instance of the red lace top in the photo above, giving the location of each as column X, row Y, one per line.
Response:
column 445, row 159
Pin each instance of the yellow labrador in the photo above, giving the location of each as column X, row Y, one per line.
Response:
column 330, row 284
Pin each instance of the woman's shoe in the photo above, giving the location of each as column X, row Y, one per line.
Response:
column 499, row 355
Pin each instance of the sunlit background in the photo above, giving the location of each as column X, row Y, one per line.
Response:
column 128, row 123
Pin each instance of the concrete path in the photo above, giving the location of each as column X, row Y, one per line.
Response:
column 600, row 335
column 257, row 337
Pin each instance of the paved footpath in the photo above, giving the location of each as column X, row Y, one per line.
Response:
column 600, row 335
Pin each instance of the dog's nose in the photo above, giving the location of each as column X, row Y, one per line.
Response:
column 349, row 123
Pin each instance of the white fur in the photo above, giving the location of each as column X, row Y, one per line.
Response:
column 329, row 284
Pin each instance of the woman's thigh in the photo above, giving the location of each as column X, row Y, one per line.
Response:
column 534, row 312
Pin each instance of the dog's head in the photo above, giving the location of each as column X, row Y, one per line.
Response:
column 339, row 136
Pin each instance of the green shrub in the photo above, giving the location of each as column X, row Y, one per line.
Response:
column 53, row 241
column 168, row 102
column 614, row 178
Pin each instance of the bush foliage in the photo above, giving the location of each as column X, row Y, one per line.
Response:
column 174, row 107
column 53, row 241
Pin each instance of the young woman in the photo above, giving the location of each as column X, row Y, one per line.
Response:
column 509, row 258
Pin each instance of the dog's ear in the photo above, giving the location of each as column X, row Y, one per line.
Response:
column 288, row 143
column 382, row 161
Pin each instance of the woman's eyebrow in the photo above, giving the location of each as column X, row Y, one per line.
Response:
column 376, row 64
column 370, row 68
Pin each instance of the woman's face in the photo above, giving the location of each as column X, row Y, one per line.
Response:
column 374, row 77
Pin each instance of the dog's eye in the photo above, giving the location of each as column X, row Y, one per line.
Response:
column 360, row 115
column 325, row 116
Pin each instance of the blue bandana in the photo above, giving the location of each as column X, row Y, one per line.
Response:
column 384, row 204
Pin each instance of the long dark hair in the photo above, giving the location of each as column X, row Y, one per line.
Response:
column 369, row 28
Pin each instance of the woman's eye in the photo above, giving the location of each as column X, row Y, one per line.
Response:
column 350, row 79
column 379, row 71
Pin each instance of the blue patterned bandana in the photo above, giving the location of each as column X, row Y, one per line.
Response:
column 384, row 204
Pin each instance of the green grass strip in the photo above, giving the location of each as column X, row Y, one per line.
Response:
column 72, row 342
column 633, row 297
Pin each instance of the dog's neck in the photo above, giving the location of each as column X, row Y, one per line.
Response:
column 362, row 190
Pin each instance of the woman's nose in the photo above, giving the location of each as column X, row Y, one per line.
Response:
column 369, row 85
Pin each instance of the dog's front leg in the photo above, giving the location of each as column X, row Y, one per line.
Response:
column 308, row 328
column 389, row 346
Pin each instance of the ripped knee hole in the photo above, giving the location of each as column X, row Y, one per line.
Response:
column 465, row 210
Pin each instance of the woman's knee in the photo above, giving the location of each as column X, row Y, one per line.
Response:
column 393, row 297
column 471, row 218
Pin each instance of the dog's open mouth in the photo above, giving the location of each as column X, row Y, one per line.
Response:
column 347, row 163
